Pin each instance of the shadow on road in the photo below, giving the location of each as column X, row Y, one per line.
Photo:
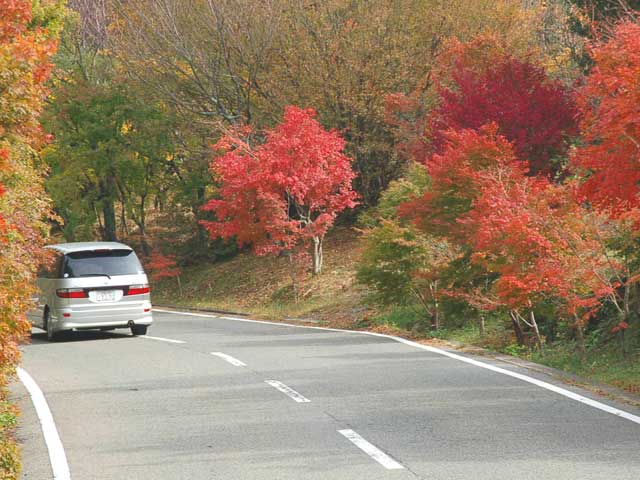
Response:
column 38, row 337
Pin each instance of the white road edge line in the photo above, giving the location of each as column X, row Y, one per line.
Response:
column 525, row 378
column 57, row 457
column 378, row 455
column 232, row 360
column 288, row 391
column 160, row 339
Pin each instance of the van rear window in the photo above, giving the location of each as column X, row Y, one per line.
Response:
column 101, row 262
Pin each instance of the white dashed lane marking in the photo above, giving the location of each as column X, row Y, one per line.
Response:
column 160, row 339
column 374, row 452
column 233, row 361
column 288, row 391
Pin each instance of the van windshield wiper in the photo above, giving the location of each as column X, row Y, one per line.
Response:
column 94, row 275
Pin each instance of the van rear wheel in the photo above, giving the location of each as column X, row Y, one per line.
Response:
column 52, row 335
column 139, row 329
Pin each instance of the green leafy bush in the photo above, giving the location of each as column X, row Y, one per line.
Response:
column 401, row 265
column 9, row 452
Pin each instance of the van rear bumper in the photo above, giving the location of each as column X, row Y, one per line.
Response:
column 89, row 325
column 85, row 317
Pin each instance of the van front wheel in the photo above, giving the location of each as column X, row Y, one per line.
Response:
column 139, row 329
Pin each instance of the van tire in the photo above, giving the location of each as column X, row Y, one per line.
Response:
column 52, row 336
column 139, row 329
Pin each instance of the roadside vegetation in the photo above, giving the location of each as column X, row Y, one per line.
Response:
column 28, row 39
column 463, row 169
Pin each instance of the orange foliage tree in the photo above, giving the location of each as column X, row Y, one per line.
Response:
column 608, row 160
column 27, row 42
column 610, row 156
column 531, row 238
column 544, row 246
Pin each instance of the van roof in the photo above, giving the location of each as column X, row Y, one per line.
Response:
column 88, row 246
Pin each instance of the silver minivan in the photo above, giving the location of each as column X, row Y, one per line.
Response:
column 93, row 285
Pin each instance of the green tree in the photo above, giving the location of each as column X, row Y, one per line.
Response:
column 402, row 265
column 111, row 150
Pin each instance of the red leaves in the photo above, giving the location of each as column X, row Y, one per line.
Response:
column 162, row 266
column 456, row 175
column 532, row 235
column 499, row 120
column 620, row 327
column 280, row 194
column 16, row 15
column 532, row 111
column 609, row 100
column 478, row 83
column 540, row 241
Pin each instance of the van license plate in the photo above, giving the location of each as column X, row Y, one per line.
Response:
column 106, row 295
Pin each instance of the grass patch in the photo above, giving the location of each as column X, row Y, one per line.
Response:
column 404, row 318
column 601, row 363
column 604, row 364
column 9, row 452
column 262, row 286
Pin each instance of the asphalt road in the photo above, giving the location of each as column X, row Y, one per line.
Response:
column 347, row 406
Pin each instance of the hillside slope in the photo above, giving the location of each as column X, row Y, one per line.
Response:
column 263, row 286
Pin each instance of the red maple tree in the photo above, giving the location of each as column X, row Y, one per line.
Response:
column 285, row 193
column 162, row 266
column 532, row 111
column 529, row 237
column 455, row 175
column 543, row 245
column 480, row 82
column 609, row 100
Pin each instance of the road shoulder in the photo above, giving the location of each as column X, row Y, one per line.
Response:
column 35, row 456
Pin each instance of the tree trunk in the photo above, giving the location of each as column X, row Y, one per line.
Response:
column 142, row 225
column 202, row 236
column 317, row 255
column 108, row 195
column 517, row 328
column 294, row 278
column 179, row 285
column 97, row 214
column 534, row 324
column 124, row 231
column 481, row 325
column 109, row 214
column 580, row 338
column 435, row 316
column 435, row 319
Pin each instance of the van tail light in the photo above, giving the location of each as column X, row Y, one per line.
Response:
column 71, row 293
column 138, row 289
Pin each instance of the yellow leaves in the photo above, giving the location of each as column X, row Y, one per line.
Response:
column 126, row 127
column 558, row 60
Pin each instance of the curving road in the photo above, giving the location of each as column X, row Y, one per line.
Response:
column 215, row 398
